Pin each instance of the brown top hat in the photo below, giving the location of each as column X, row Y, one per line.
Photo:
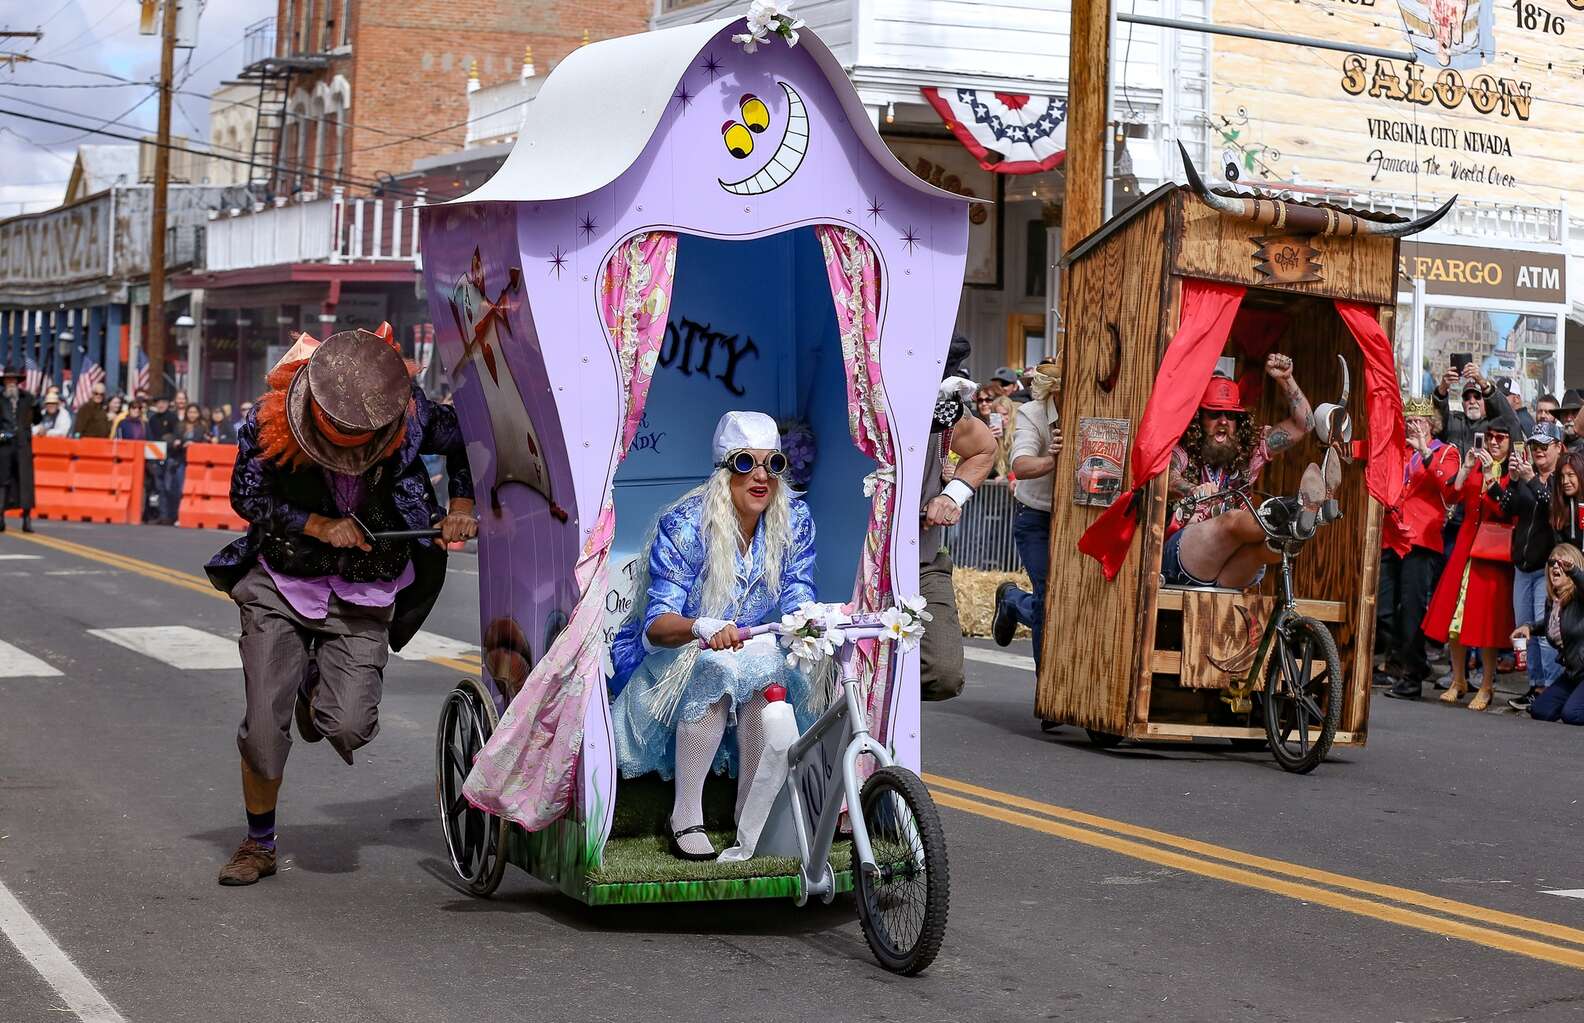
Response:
column 348, row 403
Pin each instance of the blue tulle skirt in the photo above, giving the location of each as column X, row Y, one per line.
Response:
column 645, row 744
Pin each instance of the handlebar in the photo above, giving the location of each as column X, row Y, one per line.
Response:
column 406, row 534
column 857, row 627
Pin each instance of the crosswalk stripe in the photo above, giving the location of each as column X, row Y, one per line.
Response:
column 180, row 646
column 426, row 646
column 1567, row 893
column 18, row 663
column 1006, row 660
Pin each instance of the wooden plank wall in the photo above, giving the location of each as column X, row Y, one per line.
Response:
column 1092, row 645
column 1217, row 247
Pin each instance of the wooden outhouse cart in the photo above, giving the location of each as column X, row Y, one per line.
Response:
column 1148, row 662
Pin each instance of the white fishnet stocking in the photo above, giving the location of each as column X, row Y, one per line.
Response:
column 696, row 745
column 750, row 746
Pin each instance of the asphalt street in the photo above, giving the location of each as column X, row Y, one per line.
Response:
column 1412, row 879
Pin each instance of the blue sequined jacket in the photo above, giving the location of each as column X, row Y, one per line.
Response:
column 676, row 569
column 258, row 495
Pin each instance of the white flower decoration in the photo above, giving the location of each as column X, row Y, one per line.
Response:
column 915, row 606
column 766, row 18
column 902, row 628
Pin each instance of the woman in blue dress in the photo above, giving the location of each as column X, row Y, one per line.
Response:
column 734, row 552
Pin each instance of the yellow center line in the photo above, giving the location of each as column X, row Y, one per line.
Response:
column 1500, row 940
column 186, row 580
column 1407, row 896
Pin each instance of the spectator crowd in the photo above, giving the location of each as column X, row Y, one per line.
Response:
column 1482, row 562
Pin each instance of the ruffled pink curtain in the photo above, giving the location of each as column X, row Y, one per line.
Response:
column 528, row 770
column 855, row 286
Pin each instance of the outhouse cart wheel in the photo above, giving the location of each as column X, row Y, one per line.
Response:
column 903, row 903
column 476, row 840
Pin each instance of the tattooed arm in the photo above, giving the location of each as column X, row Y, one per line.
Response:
column 1301, row 420
column 1178, row 483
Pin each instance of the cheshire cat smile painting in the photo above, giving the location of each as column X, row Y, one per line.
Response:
column 682, row 228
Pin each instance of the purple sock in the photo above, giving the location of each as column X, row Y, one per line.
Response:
column 261, row 827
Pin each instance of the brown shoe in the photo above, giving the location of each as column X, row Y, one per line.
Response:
column 251, row 861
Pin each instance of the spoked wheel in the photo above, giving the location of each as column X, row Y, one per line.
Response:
column 476, row 840
column 903, row 903
column 1303, row 695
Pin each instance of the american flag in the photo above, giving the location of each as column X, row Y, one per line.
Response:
column 82, row 387
column 140, row 381
column 33, row 377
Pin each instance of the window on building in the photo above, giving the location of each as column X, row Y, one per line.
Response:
column 1520, row 346
column 346, row 22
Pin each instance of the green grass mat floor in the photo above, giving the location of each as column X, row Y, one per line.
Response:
column 643, row 859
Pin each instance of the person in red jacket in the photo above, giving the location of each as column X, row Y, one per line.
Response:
column 1473, row 605
column 1411, row 558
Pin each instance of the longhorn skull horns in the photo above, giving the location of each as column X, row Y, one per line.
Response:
column 1298, row 218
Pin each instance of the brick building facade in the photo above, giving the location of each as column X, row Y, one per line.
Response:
column 384, row 72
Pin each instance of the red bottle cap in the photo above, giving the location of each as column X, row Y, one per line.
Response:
column 775, row 693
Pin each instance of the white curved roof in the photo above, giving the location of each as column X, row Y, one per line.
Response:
column 624, row 85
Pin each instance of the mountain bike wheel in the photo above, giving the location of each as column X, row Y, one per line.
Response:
column 475, row 840
column 1298, row 698
column 903, row 902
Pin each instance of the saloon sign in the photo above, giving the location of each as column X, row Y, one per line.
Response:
column 1489, row 110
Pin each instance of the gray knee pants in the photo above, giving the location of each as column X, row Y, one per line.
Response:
column 349, row 646
column 941, row 651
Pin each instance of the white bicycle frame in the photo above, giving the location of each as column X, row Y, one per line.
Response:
column 810, row 768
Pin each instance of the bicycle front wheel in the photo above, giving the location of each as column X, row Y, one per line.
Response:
column 1303, row 695
column 903, row 901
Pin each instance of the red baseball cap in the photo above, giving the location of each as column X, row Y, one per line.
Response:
column 1222, row 396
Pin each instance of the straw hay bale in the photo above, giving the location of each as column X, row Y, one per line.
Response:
column 976, row 598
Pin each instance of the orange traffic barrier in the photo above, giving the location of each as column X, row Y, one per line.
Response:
column 87, row 480
column 206, row 492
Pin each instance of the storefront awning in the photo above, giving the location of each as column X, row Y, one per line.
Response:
column 1008, row 133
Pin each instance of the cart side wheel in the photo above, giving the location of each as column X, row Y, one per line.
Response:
column 903, row 903
column 1104, row 740
column 475, row 840
column 1299, row 700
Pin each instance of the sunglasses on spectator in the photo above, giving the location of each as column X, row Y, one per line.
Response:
column 1558, row 563
column 742, row 463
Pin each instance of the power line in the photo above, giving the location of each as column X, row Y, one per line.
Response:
column 302, row 171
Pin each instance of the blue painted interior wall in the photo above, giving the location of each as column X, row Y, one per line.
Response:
column 754, row 317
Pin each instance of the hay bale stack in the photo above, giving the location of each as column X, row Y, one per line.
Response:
column 976, row 598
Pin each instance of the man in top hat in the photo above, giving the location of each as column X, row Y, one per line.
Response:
column 947, row 487
column 19, row 412
column 329, row 458
column 1220, row 543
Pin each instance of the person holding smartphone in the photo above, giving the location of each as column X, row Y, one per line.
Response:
column 1480, row 405
column 1527, row 500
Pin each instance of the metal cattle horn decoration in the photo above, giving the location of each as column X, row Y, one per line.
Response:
column 1298, row 218
column 1333, row 424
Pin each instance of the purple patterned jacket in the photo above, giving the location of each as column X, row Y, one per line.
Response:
column 257, row 495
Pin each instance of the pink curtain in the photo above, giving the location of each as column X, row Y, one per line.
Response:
column 528, row 770
column 855, row 286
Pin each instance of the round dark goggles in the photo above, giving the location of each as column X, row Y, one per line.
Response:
column 742, row 463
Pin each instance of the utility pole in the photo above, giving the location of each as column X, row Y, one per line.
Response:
column 156, row 318
column 1082, row 209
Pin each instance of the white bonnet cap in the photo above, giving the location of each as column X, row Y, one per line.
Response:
column 744, row 430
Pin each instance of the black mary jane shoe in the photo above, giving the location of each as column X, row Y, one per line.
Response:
column 681, row 853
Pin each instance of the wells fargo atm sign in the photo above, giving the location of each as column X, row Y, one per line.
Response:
column 1491, row 108
column 1473, row 271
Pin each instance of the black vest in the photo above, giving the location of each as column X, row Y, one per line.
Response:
column 301, row 555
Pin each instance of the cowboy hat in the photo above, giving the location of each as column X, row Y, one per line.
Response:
column 1222, row 396
column 346, row 405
